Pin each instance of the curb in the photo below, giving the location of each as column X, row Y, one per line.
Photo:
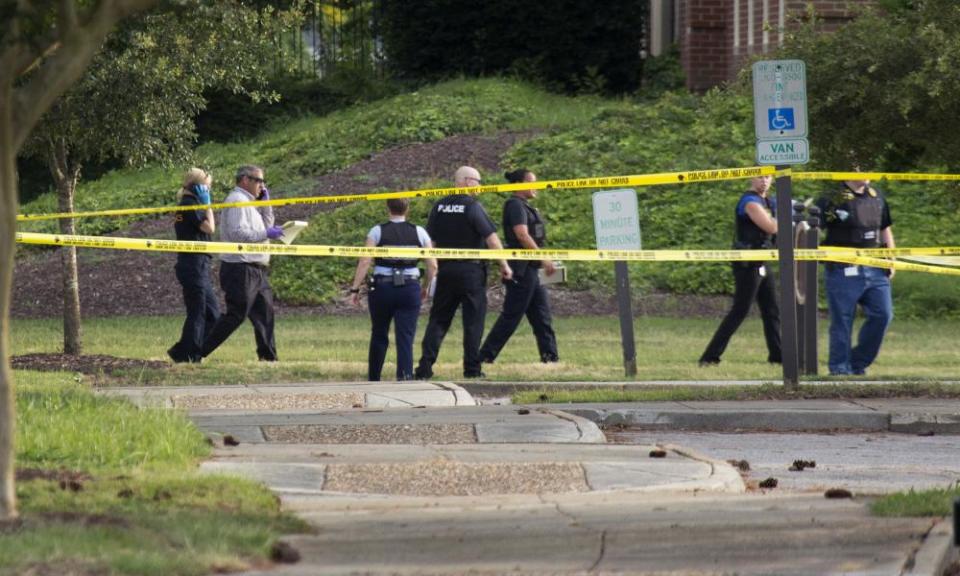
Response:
column 724, row 478
column 936, row 552
column 734, row 420
column 738, row 419
column 912, row 423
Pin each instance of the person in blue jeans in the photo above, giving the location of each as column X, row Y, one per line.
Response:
column 395, row 292
column 856, row 216
column 193, row 269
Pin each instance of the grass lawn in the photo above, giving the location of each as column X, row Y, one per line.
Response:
column 316, row 347
column 924, row 503
column 106, row 487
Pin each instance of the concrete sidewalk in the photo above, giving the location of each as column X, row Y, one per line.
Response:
column 453, row 451
column 439, row 425
column 300, row 471
column 622, row 533
column 299, row 396
column 396, row 486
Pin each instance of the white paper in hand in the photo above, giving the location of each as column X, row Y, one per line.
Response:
column 291, row 229
column 559, row 276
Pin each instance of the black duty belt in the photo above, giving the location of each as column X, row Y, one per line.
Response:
column 456, row 261
column 381, row 279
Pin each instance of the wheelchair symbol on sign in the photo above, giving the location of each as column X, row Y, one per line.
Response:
column 781, row 119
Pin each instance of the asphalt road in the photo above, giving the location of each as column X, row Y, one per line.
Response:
column 861, row 463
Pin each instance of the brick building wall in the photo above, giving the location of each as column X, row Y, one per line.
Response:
column 717, row 37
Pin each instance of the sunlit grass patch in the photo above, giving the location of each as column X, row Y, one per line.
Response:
column 61, row 423
column 162, row 523
column 109, row 487
column 936, row 502
column 334, row 348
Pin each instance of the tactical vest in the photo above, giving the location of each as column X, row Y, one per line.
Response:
column 535, row 226
column 861, row 226
column 749, row 236
column 452, row 228
column 401, row 235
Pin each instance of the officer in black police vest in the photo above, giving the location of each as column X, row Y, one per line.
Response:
column 755, row 225
column 856, row 216
column 459, row 221
column 523, row 227
column 395, row 292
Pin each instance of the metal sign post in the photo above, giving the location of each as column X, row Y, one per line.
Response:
column 788, row 293
column 809, row 334
column 780, row 122
column 617, row 225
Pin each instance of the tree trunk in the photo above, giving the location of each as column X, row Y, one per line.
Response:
column 65, row 175
column 8, row 227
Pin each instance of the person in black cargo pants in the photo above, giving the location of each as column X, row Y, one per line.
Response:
column 523, row 227
column 459, row 221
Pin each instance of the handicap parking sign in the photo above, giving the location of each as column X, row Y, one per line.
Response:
column 781, row 119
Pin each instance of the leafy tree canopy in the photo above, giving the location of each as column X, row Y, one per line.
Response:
column 882, row 89
column 138, row 99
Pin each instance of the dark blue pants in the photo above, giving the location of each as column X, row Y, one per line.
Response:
column 848, row 286
column 246, row 288
column 749, row 285
column 203, row 310
column 458, row 283
column 398, row 304
column 525, row 297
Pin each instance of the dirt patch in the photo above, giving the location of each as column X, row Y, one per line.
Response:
column 82, row 519
column 94, row 364
column 60, row 475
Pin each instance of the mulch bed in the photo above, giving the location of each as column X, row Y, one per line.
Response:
column 94, row 364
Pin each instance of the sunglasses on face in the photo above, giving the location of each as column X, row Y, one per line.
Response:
column 257, row 180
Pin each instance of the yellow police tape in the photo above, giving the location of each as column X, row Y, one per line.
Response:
column 860, row 257
column 689, row 177
column 873, row 176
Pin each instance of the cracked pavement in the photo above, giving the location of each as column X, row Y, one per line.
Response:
column 420, row 480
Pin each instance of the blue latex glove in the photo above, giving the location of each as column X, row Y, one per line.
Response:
column 264, row 193
column 202, row 192
column 274, row 232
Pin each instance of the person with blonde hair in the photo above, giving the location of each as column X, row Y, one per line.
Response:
column 193, row 268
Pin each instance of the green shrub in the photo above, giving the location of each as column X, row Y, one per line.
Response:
column 675, row 133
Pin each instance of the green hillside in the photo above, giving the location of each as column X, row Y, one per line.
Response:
column 573, row 137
